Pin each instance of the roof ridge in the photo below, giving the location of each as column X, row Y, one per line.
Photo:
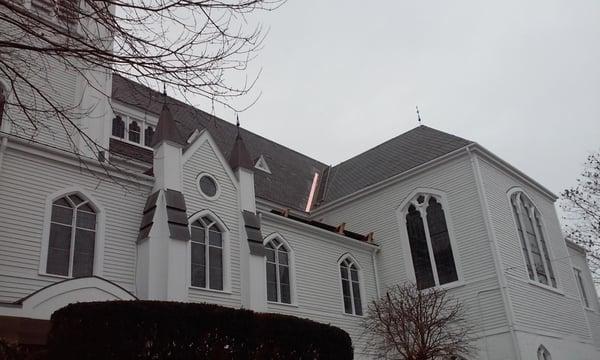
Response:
column 186, row 106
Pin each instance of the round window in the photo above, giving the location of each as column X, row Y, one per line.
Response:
column 208, row 185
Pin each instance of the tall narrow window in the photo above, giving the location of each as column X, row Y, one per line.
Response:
column 118, row 127
column 533, row 242
column 134, row 132
column 582, row 292
column 207, row 254
column 349, row 273
column 148, row 133
column 429, row 240
column 278, row 272
column 72, row 237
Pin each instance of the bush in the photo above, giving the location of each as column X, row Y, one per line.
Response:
column 15, row 351
column 170, row 330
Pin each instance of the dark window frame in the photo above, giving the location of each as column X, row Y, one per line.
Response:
column 430, row 241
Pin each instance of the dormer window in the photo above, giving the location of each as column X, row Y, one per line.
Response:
column 148, row 133
column 133, row 130
column 65, row 11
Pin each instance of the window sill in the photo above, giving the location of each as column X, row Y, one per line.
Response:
column 546, row 287
column 131, row 142
column 224, row 292
column 56, row 276
column 354, row 315
column 452, row 285
column 276, row 303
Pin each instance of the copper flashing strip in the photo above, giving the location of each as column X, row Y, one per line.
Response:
column 311, row 195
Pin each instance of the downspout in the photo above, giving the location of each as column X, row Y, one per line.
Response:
column 375, row 271
column 495, row 252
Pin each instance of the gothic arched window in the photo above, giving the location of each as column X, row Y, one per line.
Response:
column 349, row 274
column 429, row 240
column 134, row 132
column 278, row 271
column 533, row 241
column 118, row 127
column 72, row 237
column 148, row 133
column 207, row 254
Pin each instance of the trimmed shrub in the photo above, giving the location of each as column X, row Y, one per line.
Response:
column 170, row 330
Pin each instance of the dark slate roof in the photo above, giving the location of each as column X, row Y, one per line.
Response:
column 167, row 130
column 239, row 156
column 291, row 172
column 402, row 153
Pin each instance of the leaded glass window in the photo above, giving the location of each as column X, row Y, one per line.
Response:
column 581, row 287
column 207, row 254
column 430, row 246
column 148, row 134
column 72, row 237
column 533, row 242
column 349, row 273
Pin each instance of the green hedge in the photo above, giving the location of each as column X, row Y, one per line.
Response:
column 170, row 330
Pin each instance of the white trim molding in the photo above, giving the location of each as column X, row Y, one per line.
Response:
column 291, row 266
column 361, row 285
column 226, row 237
column 98, row 241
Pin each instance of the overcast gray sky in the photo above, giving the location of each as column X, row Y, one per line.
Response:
column 522, row 78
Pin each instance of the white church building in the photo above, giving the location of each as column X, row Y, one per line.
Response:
column 192, row 208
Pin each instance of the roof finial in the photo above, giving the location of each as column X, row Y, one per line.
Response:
column 418, row 115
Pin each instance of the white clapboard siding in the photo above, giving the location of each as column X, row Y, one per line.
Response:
column 534, row 307
column 226, row 207
column 377, row 212
column 592, row 313
column 318, row 294
column 27, row 180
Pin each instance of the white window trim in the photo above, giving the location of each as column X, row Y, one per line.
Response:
column 217, row 193
column 581, row 288
column 127, row 115
column 361, row 282
column 98, row 241
column 544, row 234
column 225, row 236
column 401, row 213
column 292, row 269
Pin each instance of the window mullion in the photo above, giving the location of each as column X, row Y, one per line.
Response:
column 539, row 242
column 277, row 280
column 206, row 258
column 520, row 210
column 423, row 211
column 72, row 244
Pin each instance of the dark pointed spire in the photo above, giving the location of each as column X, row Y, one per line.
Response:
column 166, row 130
column 239, row 154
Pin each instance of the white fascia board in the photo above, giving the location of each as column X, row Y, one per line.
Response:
column 389, row 181
column 497, row 161
column 134, row 111
column 69, row 158
column 575, row 246
column 324, row 234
